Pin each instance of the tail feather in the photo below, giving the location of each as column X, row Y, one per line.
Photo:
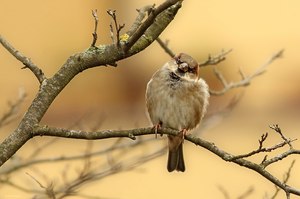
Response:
column 175, row 160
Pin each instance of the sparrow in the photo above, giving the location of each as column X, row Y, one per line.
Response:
column 177, row 98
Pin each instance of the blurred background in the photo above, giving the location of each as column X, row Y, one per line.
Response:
column 50, row 31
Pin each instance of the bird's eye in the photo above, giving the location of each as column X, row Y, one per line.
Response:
column 191, row 70
column 178, row 61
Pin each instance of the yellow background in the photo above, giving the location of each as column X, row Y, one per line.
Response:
column 50, row 31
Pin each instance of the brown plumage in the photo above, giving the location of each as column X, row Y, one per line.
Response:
column 177, row 98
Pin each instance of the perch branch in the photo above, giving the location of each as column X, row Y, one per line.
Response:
column 25, row 60
column 59, row 132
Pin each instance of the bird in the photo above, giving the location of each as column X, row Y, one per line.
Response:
column 177, row 98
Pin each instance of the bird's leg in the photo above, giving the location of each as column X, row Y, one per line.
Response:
column 156, row 127
column 182, row 133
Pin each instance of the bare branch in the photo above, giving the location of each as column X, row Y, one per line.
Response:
column 48, row 189
column 214, row 60
column 10, row 115
column 50, row 131
column 245, row 79
column 242, row 162
column 262, row 149
column 224, row 192
column 276, row 128
column 285, row 180
column 246, row 194
column 263, row 68
column 111, row 30
column 118, row 27
column 164, row 46
column 280, row 157
column 29, row 161
column 26, row 61
column 95, row 36
column 14, row 107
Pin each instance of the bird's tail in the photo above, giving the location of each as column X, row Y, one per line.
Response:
column 175, row 158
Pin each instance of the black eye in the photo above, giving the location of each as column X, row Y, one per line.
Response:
column 191, row 70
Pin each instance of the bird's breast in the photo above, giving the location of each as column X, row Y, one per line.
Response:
column 176, row 106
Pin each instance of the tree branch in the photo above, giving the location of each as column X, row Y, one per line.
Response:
column 246, row 80
column 118, row 27
column 14, row 107
column 26, row 61
column 95, row 36
column 164, row 46
column 259, row 168
column 141, row 30
column 216, row 59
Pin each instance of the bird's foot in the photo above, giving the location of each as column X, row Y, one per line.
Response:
column 156, row 127
column 182, row 133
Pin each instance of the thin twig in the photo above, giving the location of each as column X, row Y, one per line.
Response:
column 25, row 60
column 30, row 162
column 224, row 192
column 48, row 189
column 95, row 36
column 118, row 28
column 285, row 180
column 14, row 107
column 216, row 59
column 276, row 128
column 164, row 46
column 111, row 30
column 263, row 149
column 245, row 81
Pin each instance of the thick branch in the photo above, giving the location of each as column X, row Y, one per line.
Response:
column 141, row 30
column 26, row 61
